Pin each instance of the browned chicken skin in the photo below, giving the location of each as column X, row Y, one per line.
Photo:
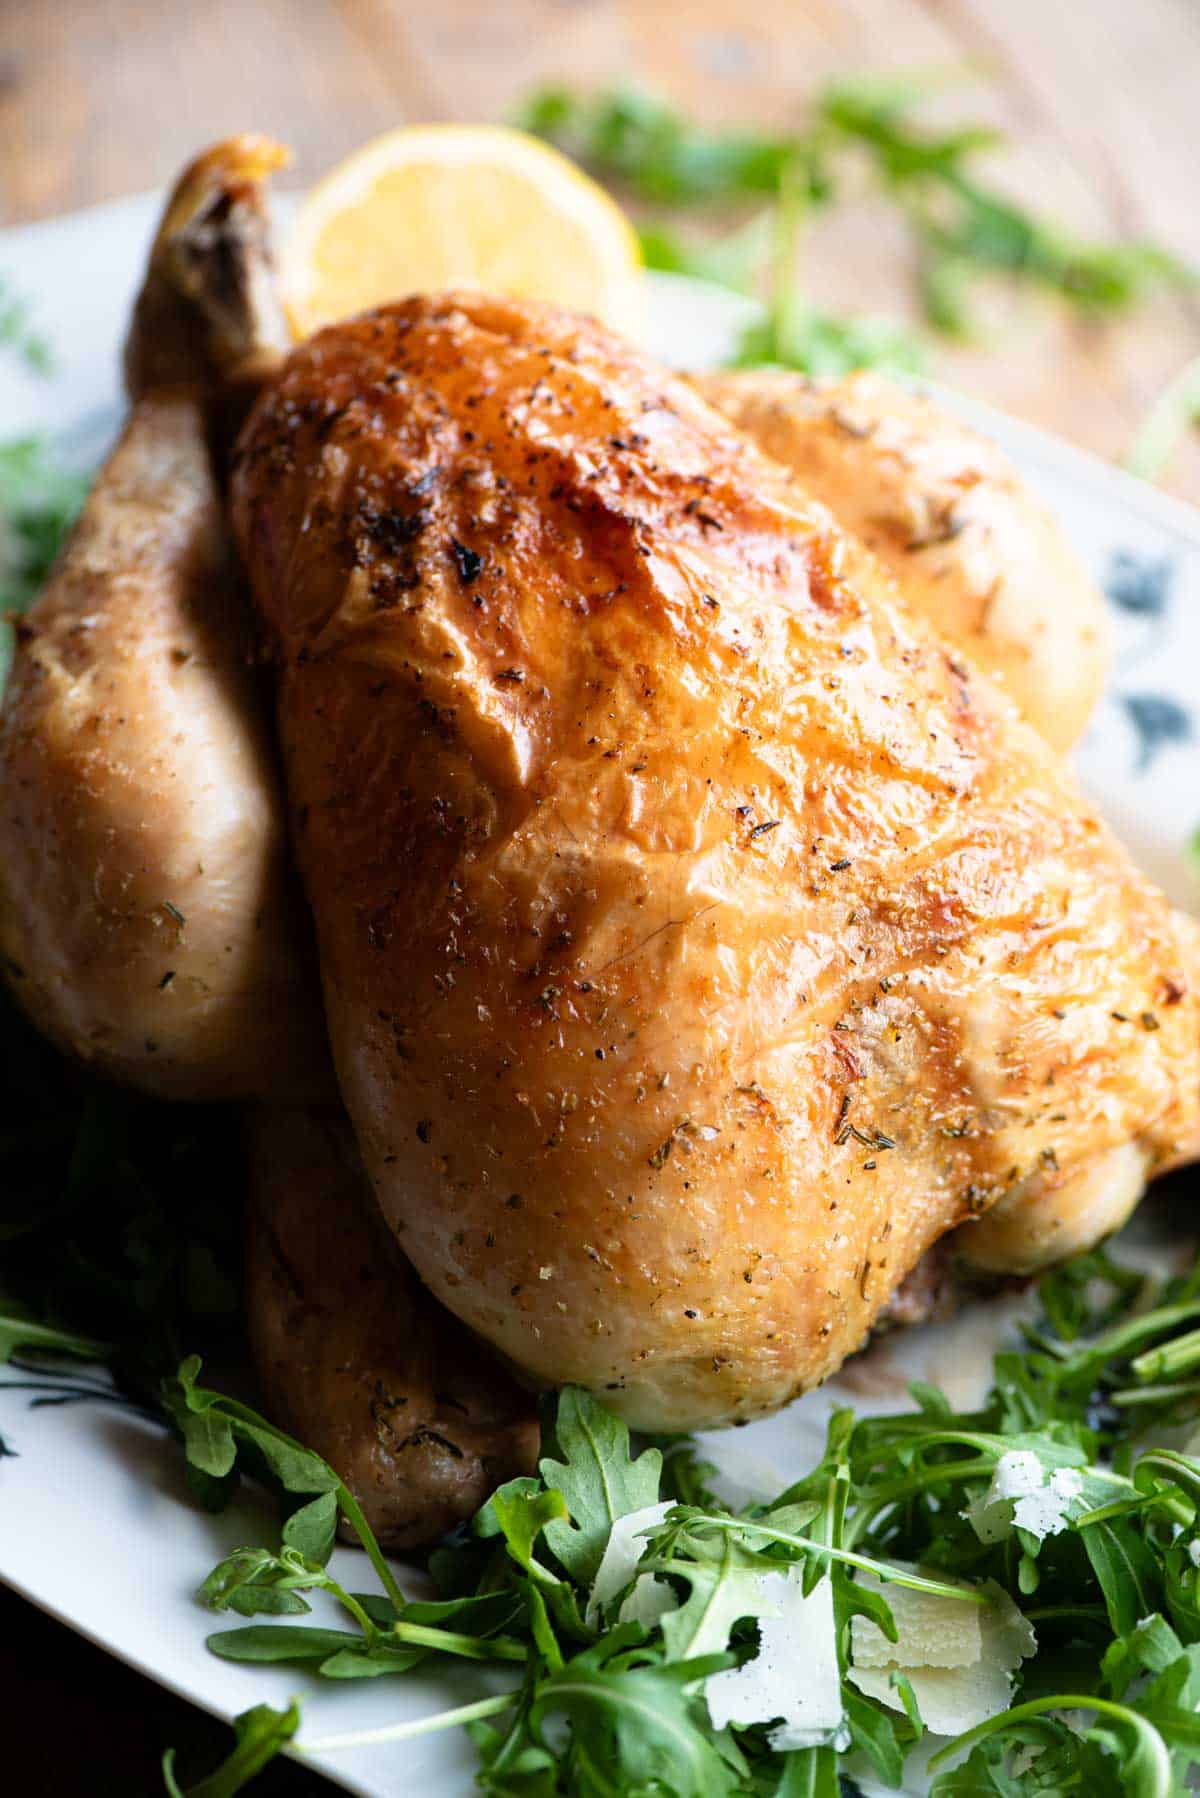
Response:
column 352, row 1353
column 701, row 940
column 974, row 553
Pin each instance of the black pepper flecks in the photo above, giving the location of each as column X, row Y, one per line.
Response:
column 468, row 562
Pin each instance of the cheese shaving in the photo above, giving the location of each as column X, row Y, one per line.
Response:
column 934, row 1632
column 648, row 1602
column 623, row 1551
column 950, row 1699
column 951, row 1696
column 1023, row 1496
column 794, row 1676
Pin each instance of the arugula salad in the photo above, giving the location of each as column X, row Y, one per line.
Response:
column 1021, row 1581
column 992, row 1602
column 997, row 1601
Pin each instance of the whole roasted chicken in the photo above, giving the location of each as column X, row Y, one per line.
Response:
column 702, row 938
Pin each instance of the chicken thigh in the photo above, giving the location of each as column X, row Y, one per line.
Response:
column 701, row 939
column 352, row 1354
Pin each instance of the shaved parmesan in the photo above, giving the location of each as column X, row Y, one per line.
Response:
column 950, row 1699
column 648, row 1602
column 740, row 1592
column 952, row 1694
column 794, row 1676
column 1022, row 1495
column 934, row 1632
column 622, row 1553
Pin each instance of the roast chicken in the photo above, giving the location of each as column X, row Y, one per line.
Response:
column 972, row 550
column 702, row 939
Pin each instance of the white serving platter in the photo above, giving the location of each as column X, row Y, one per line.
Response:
column 95, row 1523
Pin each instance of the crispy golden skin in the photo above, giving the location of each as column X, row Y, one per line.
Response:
column 971, row 549
column 147, row 919
column 700, row 940
column 352, row 1353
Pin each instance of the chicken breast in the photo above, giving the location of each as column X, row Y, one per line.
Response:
column 971, row 549
column 351, row 1352
column 147, row 915
column 701, row 941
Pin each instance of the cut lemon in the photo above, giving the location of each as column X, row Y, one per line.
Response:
column 480, row 206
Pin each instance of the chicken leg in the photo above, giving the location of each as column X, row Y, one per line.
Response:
column 352, row 1354
column 147, row 917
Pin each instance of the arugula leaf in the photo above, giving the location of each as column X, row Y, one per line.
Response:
column 260, row 1734
column 1170, row 1703
column 1041, row 1756
column 637, row 1717
column 253, row 1580
column 809, row 1773
column 1135, row 1744
column 39, row 500
column 878, row 1733
column 312, row 1529
column 598, row 1478
column 520, row 1511
column 725, row 1584
column 282, row 1642
column 17, row 332
column 19, row 1329
column 215, row 1428
column 1151, row 1646
column 1127, row 1571
column 632, row 137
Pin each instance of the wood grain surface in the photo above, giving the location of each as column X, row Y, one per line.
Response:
column 100, row 97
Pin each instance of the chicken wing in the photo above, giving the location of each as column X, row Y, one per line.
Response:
column 701, row 939
column 971, row 550
column 147, row 920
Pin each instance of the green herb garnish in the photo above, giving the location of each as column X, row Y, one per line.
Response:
column 1173, row 414
column 18, row 334
column 962, row 228
column 259, row 1735
column 39, row 501
column 632, row 137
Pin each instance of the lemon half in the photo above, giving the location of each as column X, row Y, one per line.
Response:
column 429, row 207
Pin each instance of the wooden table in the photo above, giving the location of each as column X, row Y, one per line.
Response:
column 98, row 97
